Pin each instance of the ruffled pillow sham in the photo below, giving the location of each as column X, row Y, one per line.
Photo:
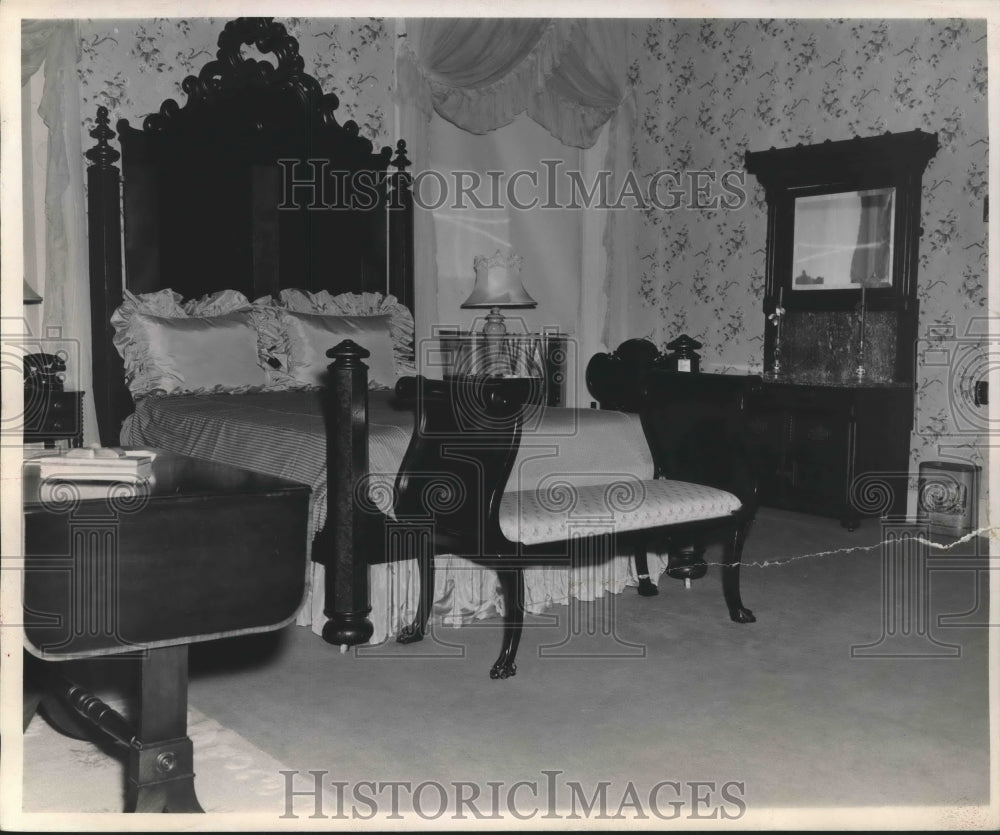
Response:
column 361, row 304
column 214, row 344
column 308, row 336
column 224, row 343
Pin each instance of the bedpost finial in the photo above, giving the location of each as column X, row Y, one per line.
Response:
column 401, row 162
column 348, row 353
column 102, row 155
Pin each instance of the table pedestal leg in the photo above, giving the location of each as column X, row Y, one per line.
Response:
column 161, row 770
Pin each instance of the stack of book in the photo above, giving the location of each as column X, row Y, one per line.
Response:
column 96, row 465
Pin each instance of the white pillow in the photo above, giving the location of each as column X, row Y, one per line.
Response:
column 166, row 350
column 309, row 336
column 361, row 304
column 199, row 354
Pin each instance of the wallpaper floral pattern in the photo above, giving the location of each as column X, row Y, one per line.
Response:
column 708, row 90
column 131, row 66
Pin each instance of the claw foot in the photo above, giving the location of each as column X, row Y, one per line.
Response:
column 742, row 615
column 504, row 669
column 647, row 588
column 410, row 634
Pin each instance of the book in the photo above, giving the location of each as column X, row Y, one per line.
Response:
column 130, row 465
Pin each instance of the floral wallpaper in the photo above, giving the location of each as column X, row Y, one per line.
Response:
column 708, row 90
column 131, row 66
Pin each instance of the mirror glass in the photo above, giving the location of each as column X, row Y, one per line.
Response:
column 843, row 240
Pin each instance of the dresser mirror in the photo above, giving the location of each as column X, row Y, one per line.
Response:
column 843, row 240
column 843, row 231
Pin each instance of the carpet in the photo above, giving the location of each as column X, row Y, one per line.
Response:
column 62, row 774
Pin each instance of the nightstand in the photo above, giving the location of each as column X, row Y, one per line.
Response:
column 51, row 416
column 200, row 551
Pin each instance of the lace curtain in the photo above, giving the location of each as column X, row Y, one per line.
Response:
column 570, row 76
column 54, row 47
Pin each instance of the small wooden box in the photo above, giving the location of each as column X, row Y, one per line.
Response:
column 948, row 497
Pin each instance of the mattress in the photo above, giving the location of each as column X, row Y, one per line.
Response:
column 282, row 434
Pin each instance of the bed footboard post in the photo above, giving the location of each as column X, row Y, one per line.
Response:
column 342, row 546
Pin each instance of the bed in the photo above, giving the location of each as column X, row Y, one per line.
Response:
column 199, row 188
column 250, row 212
column 217, row 197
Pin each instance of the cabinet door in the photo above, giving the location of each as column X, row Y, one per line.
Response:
column 769, row 426
column 820, row 459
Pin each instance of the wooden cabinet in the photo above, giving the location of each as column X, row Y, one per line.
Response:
column 52, row 416
column 840, row 451
column 832, row 449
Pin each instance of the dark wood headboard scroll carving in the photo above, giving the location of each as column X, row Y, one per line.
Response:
column 251, row 185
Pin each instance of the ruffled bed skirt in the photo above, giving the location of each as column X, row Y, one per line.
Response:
column 466, row 592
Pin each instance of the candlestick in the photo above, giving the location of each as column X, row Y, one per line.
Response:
column 860, row 370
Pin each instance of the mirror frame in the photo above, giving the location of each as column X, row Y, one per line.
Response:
column 894, row 160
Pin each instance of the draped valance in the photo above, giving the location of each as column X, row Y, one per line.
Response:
column 480, row 74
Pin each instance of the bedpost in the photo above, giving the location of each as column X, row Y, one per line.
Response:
column 401, row 229
column 343, row 545
column 111, row 398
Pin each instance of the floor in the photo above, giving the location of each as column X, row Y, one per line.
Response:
column 844, row 693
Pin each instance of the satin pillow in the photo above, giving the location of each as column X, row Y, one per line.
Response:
column 196, row 354
column 309, row 336
column 361, row 304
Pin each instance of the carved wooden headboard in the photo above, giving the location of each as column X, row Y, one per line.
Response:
column 252, row 185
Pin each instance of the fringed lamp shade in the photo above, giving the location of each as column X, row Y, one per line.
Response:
column 498, row 284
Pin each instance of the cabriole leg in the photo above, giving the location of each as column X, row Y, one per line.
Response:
column 731, row 574
column 512, row 589
column 416, row 630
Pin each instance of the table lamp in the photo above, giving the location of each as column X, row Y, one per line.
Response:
column 498, row 284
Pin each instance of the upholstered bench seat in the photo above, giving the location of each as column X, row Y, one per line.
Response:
column 559, row 511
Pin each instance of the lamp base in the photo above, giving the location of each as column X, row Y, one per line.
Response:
column 494, row 325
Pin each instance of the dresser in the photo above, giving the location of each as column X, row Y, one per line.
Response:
column 837, row 449
column 833, row 419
